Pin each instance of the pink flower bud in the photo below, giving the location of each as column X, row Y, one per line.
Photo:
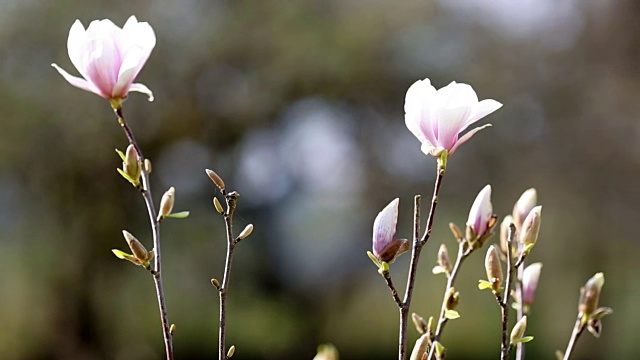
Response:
column 385, row 247
column 437, row 117
column 524, row 205
column 481, row 212
column 109, row 58
column 530, row 278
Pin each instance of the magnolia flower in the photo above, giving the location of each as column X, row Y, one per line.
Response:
column 530, row 278
column 481, row 212
column 385, row 248
column 109, row 58
column 437, row 117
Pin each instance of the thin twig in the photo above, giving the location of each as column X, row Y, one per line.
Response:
column 145, row 190
column 521, row 311
column 394, row 293
column 230, row 199
column 504, row 304
column 415, row 256
column 463, row 252
column 578, row 328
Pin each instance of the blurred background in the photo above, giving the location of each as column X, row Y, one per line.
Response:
column 298, row 105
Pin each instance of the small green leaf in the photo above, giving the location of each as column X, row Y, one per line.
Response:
column 451, row 314
column 122, row 156
column 179, row 215
column 384, row 266
column 374, row 259
column 438, row 270
column 120, row 254
column 528, row 248
column 524, row 339
column 127, row 177
column 484, row 284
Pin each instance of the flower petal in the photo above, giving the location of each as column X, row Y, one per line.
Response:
column 466, row 137
column 419, row 102
column 384, row 226
column 457, row 95
column 143, row 89
column 482, row 109
column 77, row 81
column 76, row 45
column 450, row 124
column 481, row 211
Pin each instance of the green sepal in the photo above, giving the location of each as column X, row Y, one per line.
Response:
column 484, row 284
column 374, row 259
column 438, row 270
column 124, row 256
column 384, row 266
column 179, row 215
column 121, row 154
column 527, row 249
column 128, row 178
column 524, row 339
column 451, row 314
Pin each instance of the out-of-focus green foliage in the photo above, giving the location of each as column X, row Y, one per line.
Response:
column 299, row 107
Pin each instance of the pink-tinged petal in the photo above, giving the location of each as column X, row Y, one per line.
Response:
column 77, row 81
column 419, row 101
column 142, row 89
column 481, row 211
column 104, row 63
column 482, row 109
column 450, row 124
column 131, row 66
column 428, row 148
column 384, row 226
column 457, row 95
column 466, row 137
column 530, row 278
column 76, row 45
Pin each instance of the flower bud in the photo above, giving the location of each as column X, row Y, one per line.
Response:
column 217, row 205
column 453, row 298
column 523, row 206
column 138, row 250
column 166, row 204
column 215, row 178
column 443, row 258
column 172, row 329
column 518, row 330
column 504, row 234
column 130, row 164
column 419, row 322
column 385, row 248
column 455, row 230
column 147, row 166
column 246, row 232
column 494, row 268
column 481, row 212
column 421, row 347
column 528, row 233
column 232, row 350
column 590, row 294
column 530, row 278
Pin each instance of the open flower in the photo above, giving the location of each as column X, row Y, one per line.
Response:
column 437, row 117
column 385, row 248
column 109, row 58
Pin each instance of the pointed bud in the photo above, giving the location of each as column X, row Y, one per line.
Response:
column 246, row 232
column 528, row 233
column 232, row 350
column 494, row 268
column 217, row 205
column 527, row 201
column 420, row 323
column 453, row 298
column 590, row 294
column 530, row 278
column 215, row 283
column 130, row 165
column 455, row 230
column 147, row 166
column 504, row 234
column 443, row 258
column 138, row 250
column 385, row 248
column 441, row 351
column 215, row 178
column 518, row 330
column 481, row 212
column 172, row 329
column 166, row 204
column 420, row 348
